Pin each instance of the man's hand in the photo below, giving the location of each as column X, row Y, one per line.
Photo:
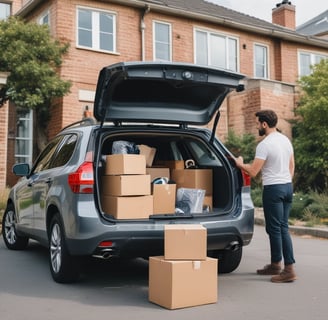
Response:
column 239, row 162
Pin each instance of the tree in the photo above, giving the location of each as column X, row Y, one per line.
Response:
column 245, row 146
column 32, row 58
column 310, row 136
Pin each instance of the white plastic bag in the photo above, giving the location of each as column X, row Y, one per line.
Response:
column 190, row 200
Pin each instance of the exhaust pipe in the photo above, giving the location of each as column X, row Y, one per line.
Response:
column 233, row 246
column 104, row 254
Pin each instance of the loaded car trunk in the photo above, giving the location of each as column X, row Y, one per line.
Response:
column 154, row 105
column 181, row 175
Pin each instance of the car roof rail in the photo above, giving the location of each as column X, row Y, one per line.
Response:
column 83, row 122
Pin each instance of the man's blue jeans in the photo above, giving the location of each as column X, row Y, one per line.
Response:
column 277, row 202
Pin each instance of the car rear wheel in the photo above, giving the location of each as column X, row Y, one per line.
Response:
column 63, row 266
column 229, row 260
column 12, row 240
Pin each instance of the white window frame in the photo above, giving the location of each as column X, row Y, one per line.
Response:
column 28, row 137
column 312, row 57
column 96, row 29
column 5, row 14
column 42, row 17
column 265, row 65
column 226, row 38
column 156, row 41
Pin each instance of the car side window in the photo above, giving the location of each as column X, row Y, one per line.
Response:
column 44, row 160
column 65, row 151
column 202, row 154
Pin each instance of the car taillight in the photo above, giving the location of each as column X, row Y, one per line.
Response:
column 246, row 179
column 81, row 181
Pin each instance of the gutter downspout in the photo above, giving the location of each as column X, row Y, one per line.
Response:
column 142, row 29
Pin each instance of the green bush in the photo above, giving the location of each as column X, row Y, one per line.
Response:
column 3, row 201
column 257, row 197
column 241, row 145
column 3, row 198
column 300, row 202
column 318, row 206
column 310, row 206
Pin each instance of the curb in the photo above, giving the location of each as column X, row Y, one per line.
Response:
column 301, row 231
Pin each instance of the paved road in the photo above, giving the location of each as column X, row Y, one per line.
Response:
column 119, row 290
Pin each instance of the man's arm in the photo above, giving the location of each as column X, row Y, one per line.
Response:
column 253, row 168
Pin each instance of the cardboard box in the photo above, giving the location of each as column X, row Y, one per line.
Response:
column 117, row 164
column 180, row 284
column 194, row 179
column 185, row 242
column 164, row 196
column 126, row 185
column 208, row 202
column 172, row 164
column 134, row 207
column 148, row 152
column 158, row 172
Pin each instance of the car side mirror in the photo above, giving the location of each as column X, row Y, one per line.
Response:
column 21, row 169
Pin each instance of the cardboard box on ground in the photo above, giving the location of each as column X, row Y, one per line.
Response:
column 183, row 281
column 185, row 242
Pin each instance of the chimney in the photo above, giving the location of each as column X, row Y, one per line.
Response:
column 284, row 14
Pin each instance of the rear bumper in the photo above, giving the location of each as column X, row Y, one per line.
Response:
column 146, row 239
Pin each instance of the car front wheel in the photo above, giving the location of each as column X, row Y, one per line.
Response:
column 63, row 266
column 11, row 238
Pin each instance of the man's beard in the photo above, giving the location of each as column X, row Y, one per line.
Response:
column 261, row 132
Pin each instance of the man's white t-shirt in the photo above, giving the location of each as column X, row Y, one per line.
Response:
column 276, row 150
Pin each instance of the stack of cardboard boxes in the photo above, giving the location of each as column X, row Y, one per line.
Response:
column 184, row 276
column 126, row 188
column 127, row 191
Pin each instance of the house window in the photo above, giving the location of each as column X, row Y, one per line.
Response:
column 24, row 136
column 45, row 18
column 216, row 50
column 162, row 41
column 5, row 10
column 306, row 60
column 260, row 61
column 96, row 30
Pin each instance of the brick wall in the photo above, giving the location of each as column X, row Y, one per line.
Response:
column 261, row 94
column 82, row 66
column 11, row 135
column 284, row 15
column 3, row 145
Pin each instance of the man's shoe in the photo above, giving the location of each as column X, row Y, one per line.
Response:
column 284, row 276
column 269, row 270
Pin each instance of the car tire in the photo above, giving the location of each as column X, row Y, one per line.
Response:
column 229, row 260
column 63, row 266
column 11, row 238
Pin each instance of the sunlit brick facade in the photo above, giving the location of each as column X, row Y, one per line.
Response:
column 134, row 25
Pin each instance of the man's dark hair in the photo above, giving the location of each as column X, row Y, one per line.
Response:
column 268, row 116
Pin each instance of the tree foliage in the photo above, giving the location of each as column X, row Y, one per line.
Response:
column 32, row 58
column 243, row 145
column 310, row 136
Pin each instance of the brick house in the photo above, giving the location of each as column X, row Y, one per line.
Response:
column 271, row 55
